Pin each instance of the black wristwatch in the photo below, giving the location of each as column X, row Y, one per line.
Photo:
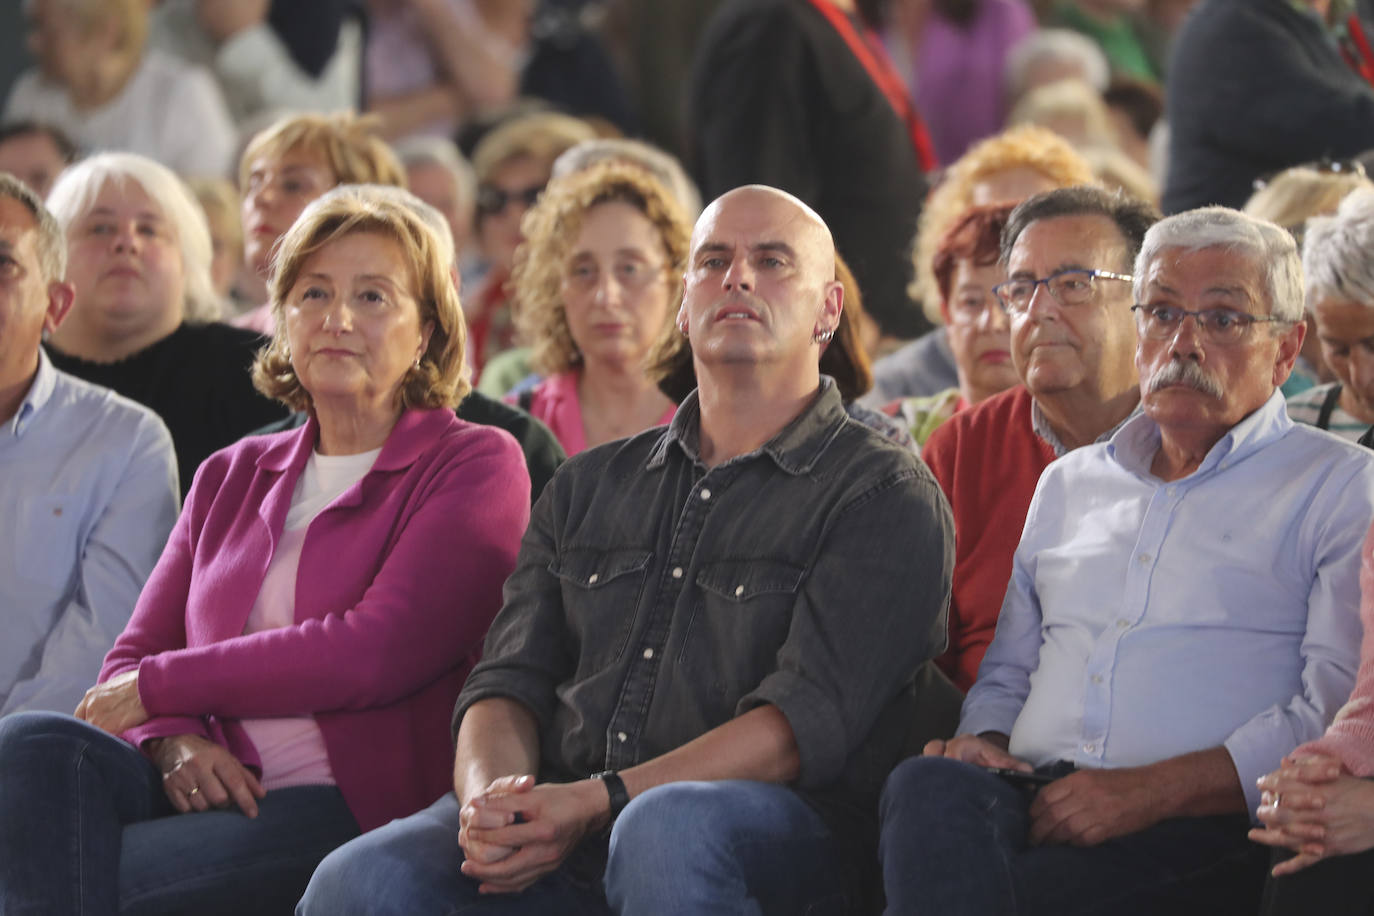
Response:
column 615, row 788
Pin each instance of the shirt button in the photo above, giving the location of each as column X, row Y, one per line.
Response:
column 621, row 737
column 1090, row 748
column 677, row 572
column 1173, row 491
column 648, row 653
column 1123, row 623
column 739, row 590
column 705, row 493
column 1097, row 678
column 1144, row 559
column 591, row 580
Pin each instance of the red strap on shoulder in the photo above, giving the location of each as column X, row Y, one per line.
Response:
column 873, row 56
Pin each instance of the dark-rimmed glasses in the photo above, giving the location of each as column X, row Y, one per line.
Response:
column 492, row 200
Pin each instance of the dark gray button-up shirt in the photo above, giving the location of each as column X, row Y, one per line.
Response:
column 655, row 599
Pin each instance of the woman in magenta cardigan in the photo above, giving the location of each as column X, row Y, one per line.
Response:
column 288, row 673
column 1318, row 806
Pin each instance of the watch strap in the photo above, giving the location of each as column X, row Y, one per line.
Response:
column 615, row 788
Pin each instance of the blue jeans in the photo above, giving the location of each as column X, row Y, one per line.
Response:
column 954, row 841
column 719, row 847
column 86, row 828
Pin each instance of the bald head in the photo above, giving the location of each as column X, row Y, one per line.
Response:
column 775, row 218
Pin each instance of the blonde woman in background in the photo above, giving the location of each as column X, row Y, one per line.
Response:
column 287, row 166
column 513, row 163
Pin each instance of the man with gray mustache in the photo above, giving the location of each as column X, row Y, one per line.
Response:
column 1181, row 615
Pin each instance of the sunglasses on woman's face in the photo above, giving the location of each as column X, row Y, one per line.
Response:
column 492, row 200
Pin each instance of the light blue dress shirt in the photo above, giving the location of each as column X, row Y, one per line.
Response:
column 1147, row 619
column 88, row 494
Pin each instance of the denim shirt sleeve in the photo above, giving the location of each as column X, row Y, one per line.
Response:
column 524, row 651
column 871, row 610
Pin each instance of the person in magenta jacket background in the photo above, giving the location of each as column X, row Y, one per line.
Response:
column 292, row 662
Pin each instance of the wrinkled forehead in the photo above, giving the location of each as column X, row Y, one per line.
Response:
column 752, row 216
column 1214, row 271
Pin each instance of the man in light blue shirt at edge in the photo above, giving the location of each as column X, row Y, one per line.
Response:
column 88, row 481
column 1183, row 612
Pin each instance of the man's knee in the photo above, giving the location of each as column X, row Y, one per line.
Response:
column 924, row 785
column 408, row 866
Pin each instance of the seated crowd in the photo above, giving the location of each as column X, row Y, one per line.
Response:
column 439, row 509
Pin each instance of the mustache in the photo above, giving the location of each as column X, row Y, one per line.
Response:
column 1179, row 372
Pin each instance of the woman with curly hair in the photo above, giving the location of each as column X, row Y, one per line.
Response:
column 595, row 286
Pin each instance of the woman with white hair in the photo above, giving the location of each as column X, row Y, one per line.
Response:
column 1338, row 261
column 139, row 256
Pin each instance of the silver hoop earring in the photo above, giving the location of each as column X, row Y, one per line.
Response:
column 821, row 337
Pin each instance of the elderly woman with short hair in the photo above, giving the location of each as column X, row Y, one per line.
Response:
column 288, row 673
column 596, row 284
column 1338, row 262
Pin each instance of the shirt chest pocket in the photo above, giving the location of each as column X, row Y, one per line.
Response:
column 46, row 549
column 602, row 590
column 742, row 618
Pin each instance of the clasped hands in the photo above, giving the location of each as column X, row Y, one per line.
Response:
column 516, row 831
column 1082, row 809
column 1313, row 807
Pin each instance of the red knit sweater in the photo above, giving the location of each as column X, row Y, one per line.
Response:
column 987, row 460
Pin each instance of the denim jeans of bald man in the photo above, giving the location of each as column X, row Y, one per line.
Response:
column 953, row 841
column 86, row 828
column 731, row 847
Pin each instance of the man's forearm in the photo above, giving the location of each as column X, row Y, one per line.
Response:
column 1197, row 784
column 758, row 745
column 498, row 737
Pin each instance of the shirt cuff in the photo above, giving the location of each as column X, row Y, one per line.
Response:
column 822, row 739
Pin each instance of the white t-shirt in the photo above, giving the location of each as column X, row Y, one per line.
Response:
column 169, row 111
column 291, row 747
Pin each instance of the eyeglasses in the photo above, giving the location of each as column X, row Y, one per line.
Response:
column 492, row 200
column 1220, row 326
column 633, row 274
column 969, row 307
column 1069, row 288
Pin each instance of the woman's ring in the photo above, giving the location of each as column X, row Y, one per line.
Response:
column 194, row 790
column 1277, row 798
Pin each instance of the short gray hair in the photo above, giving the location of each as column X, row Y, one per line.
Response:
column 1271, row 248
column 74, row 194
column 51, row 244
column 663, row 166
column 1338, row 252
column 443, row 153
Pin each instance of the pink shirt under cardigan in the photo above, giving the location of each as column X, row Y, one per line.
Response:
column 555, row 402
column 398, row 581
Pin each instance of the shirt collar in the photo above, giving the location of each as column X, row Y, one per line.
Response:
column 795, row 449
column 1041, row 426
column 1135, row 444
column 39, row 394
